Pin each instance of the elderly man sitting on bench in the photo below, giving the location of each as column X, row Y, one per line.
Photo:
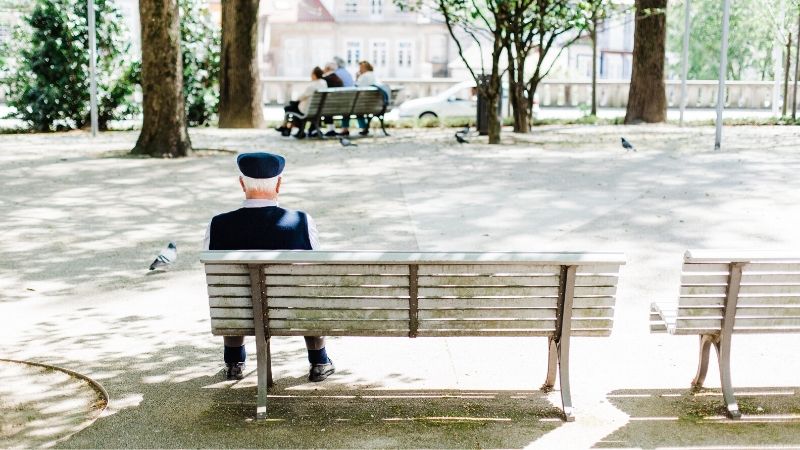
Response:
column 260, row 224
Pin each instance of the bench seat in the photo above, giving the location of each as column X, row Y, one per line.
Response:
column 722, row 293
column 420, row 294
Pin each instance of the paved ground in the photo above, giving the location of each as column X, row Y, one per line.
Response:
column 82, row 221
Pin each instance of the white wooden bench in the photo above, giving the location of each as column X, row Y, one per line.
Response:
column 731, row 292
column 367, row 102
column 315, row 293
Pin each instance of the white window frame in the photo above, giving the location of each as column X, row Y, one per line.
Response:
column 376, row 7
column 350, row 59
column 405, row 55
column 379, row 60
column 351, row 6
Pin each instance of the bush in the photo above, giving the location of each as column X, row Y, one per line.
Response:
column 48, row 66
column 200, row 47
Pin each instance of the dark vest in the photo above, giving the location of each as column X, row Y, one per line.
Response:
column 267, row 228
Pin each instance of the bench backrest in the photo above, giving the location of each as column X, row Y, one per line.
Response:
column 416, row 294
column 347, row 101
column 761, row 289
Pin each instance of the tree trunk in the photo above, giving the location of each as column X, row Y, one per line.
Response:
column 594, row 66
column 164, row 130
column 647, row 99
column 240, row 83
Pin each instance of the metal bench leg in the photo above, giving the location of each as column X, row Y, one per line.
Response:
column 723, row 347
column 270, row 383
column 385, row 133
column 552, row 365
column 705, row 348
column 563, row 372
column 262, row 361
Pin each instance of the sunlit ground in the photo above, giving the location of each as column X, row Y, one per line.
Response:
column 82, row 221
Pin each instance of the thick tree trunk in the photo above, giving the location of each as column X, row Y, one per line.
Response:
column 516, row 90
column 164, row 131
column 647, row 99
column 240, row 84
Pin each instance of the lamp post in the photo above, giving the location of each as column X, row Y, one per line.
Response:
column 685, row 57
column 723, row 69
column 92, row 68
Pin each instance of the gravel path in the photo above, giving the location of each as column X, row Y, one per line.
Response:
column 82, row 221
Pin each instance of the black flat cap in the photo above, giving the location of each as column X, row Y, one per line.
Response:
column 260, row 165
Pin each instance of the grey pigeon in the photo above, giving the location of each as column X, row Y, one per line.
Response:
column 627, row 145
column 461, row 139
column 347, row 142
column 167, row 256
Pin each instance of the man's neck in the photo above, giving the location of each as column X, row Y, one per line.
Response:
column 260, row 196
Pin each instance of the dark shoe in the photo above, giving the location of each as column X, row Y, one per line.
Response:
column 313, row 133
column 331, row 133
column 281, row 129
column 286, row 132
column 321, row 371
column 235, row 371
column 344, row 133
column 363, row 132
column 300, row 135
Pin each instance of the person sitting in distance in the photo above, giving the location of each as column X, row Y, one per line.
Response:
column 333, row 81
column 260, row 224
column 300, row 107
column 364, row 77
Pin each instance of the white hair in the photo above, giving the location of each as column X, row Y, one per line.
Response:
column 332, row 66
column 260, row 184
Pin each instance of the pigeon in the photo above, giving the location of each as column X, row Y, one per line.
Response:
column 347, row 142
column 464, row 131
column 627, row 145
column 461, row 139
column 167, row 256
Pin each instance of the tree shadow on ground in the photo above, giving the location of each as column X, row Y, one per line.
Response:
column 681, row 418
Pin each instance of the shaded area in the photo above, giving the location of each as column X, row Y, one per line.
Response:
column 40, row 406
column 681, row 418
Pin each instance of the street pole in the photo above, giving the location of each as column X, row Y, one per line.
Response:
column 92, row 68
column 723, row 69
column 796, row 67
column 685, row 57
column 786, row 75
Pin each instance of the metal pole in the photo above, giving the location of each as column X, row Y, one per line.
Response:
column 685, row 57
column 796, row 67
column 723, row 69
column 92, row 68
column 786, row 74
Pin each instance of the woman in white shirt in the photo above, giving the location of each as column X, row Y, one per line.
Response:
column 301, row 106
column 364, row 78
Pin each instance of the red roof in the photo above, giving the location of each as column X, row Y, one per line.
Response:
column 312, row 11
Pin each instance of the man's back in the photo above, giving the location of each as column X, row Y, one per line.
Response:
column 264, row 228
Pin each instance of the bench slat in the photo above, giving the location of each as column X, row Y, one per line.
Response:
column 337, row 280
column 230, row 302
column 228, row 291
column 509, row 332
column 719, row 290
column 337, row 269
column 228, row 280
column 494, row 280
column 749, row 268
column 222, row 269
column 339, row 314
column 511, row 291
column 309, row 332
column 482, row 324
column 513, row 269
column 336, row 291
column 233, row 331
column 335, row 303
column 339, row 324
column 740, row 323
column 510, row 313
column 232, row 313
column 747, row 279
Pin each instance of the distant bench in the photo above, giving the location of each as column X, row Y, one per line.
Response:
column 368, row 102
column 728, row 292
column 314, row 293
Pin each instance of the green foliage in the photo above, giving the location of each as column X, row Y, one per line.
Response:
column 754, row 28
column 200, row 47
column 48, row 80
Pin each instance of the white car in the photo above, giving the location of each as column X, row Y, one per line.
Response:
column 460, row 100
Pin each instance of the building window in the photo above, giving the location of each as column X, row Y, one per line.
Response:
column 379, row 54
column 404, row 54
column 352, row 52
column 351, row 6
column 376, row 7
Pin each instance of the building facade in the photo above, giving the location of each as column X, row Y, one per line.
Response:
column 296, row 35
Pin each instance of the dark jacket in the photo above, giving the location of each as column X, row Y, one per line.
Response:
column 333, row 80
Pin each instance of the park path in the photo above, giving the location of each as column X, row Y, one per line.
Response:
column 83, row 221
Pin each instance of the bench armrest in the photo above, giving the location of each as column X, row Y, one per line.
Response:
column 662, row 317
